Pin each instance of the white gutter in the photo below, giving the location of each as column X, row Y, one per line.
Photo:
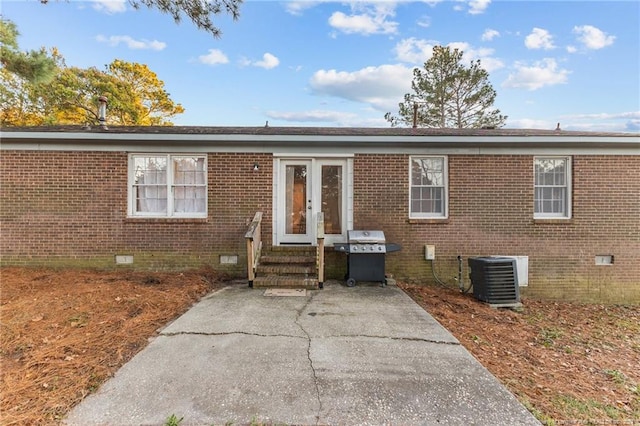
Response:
column 319, row 139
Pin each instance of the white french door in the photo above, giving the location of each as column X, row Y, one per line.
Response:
column 304, row 187
column 295, row 204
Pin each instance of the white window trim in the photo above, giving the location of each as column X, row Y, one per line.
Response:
column 445, row 213
column 131, row 195
column 568, row 177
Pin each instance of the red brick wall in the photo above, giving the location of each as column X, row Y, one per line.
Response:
column 70, row 208
column 491, row 213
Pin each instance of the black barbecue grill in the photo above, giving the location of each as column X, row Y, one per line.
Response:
column 366, row 252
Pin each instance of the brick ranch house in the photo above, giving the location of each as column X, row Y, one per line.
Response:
column 568, row 203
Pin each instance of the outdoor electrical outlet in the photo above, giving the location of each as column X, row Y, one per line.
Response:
column 430, row 252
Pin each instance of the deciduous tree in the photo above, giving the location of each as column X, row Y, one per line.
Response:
column 30, row 96
column 136, row 96
column 448, row 94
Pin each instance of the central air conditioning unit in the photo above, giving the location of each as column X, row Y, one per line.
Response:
column 495, row 281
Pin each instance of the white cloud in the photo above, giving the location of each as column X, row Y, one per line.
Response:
column 418, row 51
column 110, row 6
column 632, row 126
column 631, row 115
column 268, row 61
column 592, row 37
column 298, row 7
column 529, row 123
column 539, row 39
column 311, row 116
column 334, row 118
column 477, row 7
column 132, row 43
column 214, row 57
column 489, row 34
column 542, row 73
column 571, row 49
column 603, row 122
column 381, row 87
column 424, row 22
column 490, row 64
column 414, row 51
column 366, row 18
column 487, row 62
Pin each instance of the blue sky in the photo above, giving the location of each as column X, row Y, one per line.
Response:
column 329, row 63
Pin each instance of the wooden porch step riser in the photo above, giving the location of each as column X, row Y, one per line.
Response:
column 286, row 269
column 271, row 259
column 285, row 282
column 309, row 250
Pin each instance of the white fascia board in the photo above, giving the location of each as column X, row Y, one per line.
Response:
column 321, row 144
column 321, row 139
column 297, row 150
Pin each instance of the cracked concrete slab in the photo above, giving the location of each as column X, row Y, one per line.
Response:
column 228, row 311
column 361, row 355
column 207, row 380
column 376, row 311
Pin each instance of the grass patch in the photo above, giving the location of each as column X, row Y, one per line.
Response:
column 548, row 336
column 588, row 409
column 542, row 418
column 616, row 375
column 173, row 420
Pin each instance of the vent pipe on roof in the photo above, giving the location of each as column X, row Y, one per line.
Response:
column 102, row 112
column 558, row 127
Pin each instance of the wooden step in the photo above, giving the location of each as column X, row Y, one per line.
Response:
column 270, row 258
column 285, row 269
column 309, row 250
column 288, row 281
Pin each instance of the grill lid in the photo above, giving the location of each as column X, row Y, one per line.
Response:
column 365, row 237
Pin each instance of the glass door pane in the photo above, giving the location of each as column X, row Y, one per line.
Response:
column 332, row 198
column 296, row 199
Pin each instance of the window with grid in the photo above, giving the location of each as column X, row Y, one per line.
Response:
column 428, row 187
column 552, row 187
column 165, row 185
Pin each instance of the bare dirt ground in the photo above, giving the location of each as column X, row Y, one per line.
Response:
column 63, row 333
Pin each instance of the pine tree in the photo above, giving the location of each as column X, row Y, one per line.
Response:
column 448, row 94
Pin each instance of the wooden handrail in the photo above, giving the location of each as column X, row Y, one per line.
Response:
column 320, row 248
column 254, row 246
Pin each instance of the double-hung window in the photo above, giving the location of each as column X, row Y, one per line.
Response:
column 428, row 187
column 168, row 186
column 552, row 187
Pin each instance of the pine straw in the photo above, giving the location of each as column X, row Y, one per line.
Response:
column 570, row 363
column 63, row 333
